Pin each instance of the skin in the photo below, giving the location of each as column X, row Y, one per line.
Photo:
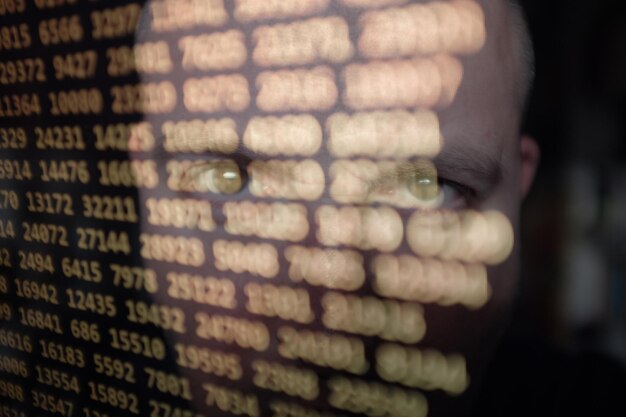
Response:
column 481, row 130
column 482, row 150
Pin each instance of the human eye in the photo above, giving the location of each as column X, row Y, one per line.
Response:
column 418, row 185
column 220, row 177
column 455, row 196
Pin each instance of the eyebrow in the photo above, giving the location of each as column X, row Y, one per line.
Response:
column 470, row 164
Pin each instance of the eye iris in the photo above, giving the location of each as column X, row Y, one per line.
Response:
column 423, row 182
column 227, row 178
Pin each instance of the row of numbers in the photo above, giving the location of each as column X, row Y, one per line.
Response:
column 107, row 24
column 128, row 137
column 145, row 58
column 127, row 99
column 113, row 173
column 119, row 137
column 114, row 208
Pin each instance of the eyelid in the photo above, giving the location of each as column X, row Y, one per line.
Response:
column 232, row 185
column 477, row 177
column 404, row 171
column 408, row 170
column 465, row 192
column 191, row 172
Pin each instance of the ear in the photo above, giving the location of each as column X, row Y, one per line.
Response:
column 530, row 154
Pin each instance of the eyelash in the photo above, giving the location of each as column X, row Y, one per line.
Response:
column 466, row 195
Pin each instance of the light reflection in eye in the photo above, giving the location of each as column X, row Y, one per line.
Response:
column 221, row 177
column 227, row 178
column 421, row 181
column 413, row 185
column 417, row 185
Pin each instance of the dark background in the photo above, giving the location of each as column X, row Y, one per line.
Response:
column 573, row 293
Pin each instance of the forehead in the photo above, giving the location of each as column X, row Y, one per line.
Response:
column 485, row 113
column 482, row 115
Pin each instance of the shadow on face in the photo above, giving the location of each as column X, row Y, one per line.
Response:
column 339, row 190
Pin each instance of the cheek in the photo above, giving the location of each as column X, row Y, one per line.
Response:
column 505, row 276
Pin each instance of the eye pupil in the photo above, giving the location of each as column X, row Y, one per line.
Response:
column 227, row 177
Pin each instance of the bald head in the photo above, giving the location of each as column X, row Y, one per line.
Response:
column 523, row 48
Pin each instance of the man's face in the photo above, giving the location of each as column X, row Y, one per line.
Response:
column 358, row 172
